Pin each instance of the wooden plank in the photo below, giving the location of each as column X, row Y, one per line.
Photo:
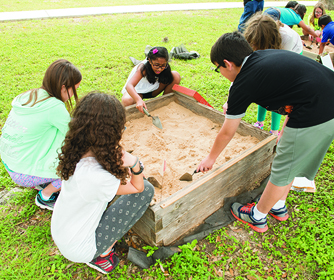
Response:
column 311, row 55
column 225, row 179
column 150, row 220
column 145, row 231
column 209, row 197
column 172, row 199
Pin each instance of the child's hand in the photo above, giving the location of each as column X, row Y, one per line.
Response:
column 128, row 159
column 206, row 164
column 140, row 104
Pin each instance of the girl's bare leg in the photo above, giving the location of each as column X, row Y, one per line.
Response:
column 49, row 190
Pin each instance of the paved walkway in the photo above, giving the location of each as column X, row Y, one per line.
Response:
column 79, row 12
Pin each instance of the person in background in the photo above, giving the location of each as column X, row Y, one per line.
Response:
column 291, row 16
column 262, row 33
column 327, row 26
column 149, row 78
column 250, row 8
column 318, row 11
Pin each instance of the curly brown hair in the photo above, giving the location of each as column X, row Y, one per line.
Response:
column 97, row 125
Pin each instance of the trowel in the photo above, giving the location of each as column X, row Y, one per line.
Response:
column 187, row 176
column 155, row 120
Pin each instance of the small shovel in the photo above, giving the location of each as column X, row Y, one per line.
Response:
column 310, row 46
column 187, row 176
column 155, row 120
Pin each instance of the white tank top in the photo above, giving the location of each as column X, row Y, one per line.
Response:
column 143, row 86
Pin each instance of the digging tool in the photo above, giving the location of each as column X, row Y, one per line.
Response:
column 154, row 182
column 155, row 120
column 187, row 176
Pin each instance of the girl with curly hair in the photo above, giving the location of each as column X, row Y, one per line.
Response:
column 149, row 78
column 94, row 168
column 35, row 129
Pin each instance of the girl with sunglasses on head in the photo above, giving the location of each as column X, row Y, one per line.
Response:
column 149, row 78
column 318, row 11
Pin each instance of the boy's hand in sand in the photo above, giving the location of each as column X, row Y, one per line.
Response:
column 206, row 164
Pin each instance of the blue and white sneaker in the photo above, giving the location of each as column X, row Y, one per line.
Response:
column 46, row 204
column 244, row 214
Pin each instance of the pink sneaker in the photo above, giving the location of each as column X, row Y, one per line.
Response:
column 106, row 264
column 258, row 125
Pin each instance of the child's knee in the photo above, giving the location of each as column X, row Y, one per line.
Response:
column 127, row 100
column 176, row 77
column 148, row 189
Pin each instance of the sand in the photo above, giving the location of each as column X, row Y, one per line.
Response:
column 184, row 141
column 329, row 48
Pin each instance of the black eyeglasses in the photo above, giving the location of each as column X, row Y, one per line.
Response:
column 217, row 69
column 157, row 66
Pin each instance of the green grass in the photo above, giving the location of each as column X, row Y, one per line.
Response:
column 300, row 248
column 28, row 5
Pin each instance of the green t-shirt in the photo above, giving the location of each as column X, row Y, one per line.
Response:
column 31, row 136
column 315, row 25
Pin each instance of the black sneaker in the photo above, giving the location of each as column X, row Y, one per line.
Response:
column 46, row 204
column 106, row 264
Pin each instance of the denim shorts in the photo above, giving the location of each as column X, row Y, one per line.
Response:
column 273, row 13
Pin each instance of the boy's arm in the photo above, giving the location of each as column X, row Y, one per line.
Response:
column 224, row 136
column 321, row 48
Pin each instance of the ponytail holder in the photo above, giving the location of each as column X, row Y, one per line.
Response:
column 155, row 51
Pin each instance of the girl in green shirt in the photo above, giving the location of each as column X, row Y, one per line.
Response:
column 318, row 11
column 35, row 129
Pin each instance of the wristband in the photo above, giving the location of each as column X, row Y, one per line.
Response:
column 135, row 163
column 140, row 170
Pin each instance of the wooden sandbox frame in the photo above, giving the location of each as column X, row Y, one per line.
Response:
column 172, row 218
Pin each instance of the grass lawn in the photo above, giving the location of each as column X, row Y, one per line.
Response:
column 299, row 248
column 27, row 5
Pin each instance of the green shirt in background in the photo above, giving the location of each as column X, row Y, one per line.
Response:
column 32, row 136
column 315, row 25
